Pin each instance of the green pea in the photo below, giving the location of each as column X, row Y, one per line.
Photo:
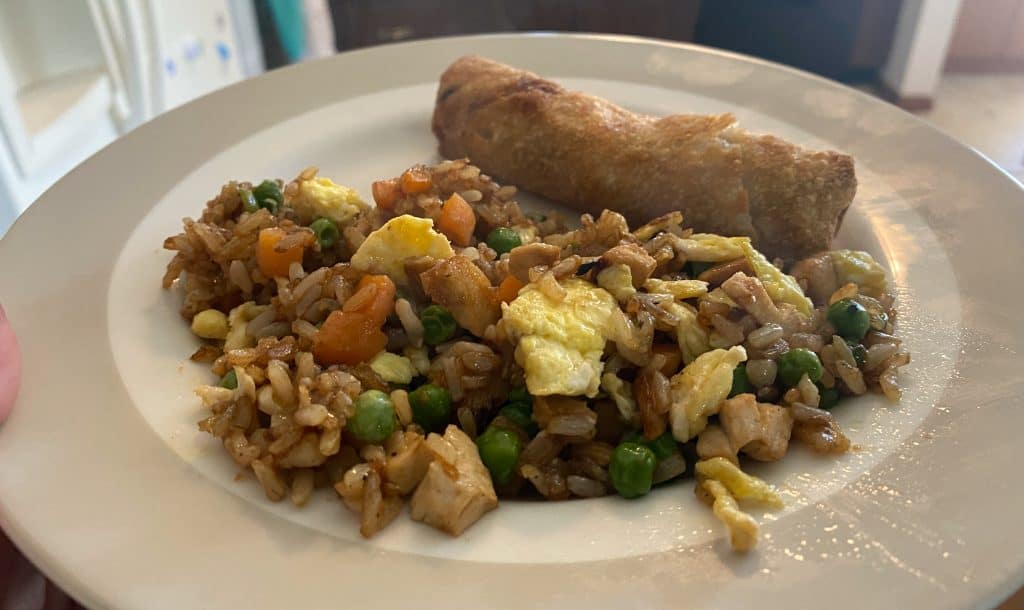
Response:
column 827, row 397
column 431, row 406
column 632, row 469
column 248, row 200
column 229, row 380
column 503, row 239
column 499, row 451
column 374, row 418
column 663, row 446
column 268, row 194
column 326, row 232
column 520, row 414
column 797, row 361
column 438, row 325
column 860, row 353
column 740, row 383
column 850, row 319
column 520, row 395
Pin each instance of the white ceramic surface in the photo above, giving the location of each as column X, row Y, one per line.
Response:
column 105, row 482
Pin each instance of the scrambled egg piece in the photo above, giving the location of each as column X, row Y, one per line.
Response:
column 726, row 483
column 385, row 250
column 693, row 340
column 393, row 368
column 322, row 198
column 679, row 289
column 740, row 484
column 560, row 343
column 854, row 266
column 238, row 320
column 699, row 389
column 743, row 529
column 710, row 248
column 780, row 287
column 618, row 280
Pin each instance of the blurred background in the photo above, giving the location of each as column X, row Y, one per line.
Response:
column 76, row 74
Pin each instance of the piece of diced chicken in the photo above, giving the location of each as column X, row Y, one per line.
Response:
column 817, row 275
column 751, row 295
column 713, row 442
column 641, row 264
column 378, row 510
column 406, row 468
column 526, row 257
column 822, row 437
column 760, row 430
column 457, row 488
column 460, row 286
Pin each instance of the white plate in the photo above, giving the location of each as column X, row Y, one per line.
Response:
column 107, row 485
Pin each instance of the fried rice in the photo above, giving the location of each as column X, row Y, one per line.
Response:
column 582, row 362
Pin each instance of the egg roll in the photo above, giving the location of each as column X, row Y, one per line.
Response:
column 590, row 154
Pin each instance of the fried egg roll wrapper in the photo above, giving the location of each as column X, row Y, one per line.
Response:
column 589, row 154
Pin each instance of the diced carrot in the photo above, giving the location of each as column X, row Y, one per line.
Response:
column 415, row 180
column 509, row 289
column 374, row 297
column 348, row 338
column 457, row 220
column 386, row 193
column 672, row 357
column 274, row 263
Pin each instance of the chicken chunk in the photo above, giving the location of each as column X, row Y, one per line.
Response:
column 406, row 468
column 523, row 258
column 751, row 295
column 460, row 286
column 825, row 438
column 817, row 276
column 641, row 264
column 457, row 489
column 760, row 430
column 713, row 442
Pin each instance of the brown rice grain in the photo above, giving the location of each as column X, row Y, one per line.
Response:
column 302, row 486
column 584, row 487
column 761, row 372
column 877, row 355
column 452, row 376
column 765, row 336
column 304, row 329
column 273, row 485
column 471, row 195
column 467, row 422
column 403, row 410
column 239, row 276
column 410, row 322
column 277, row 373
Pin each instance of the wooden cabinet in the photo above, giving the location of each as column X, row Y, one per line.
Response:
column 989, row 36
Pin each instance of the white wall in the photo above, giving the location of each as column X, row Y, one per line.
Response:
column 923, row 32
